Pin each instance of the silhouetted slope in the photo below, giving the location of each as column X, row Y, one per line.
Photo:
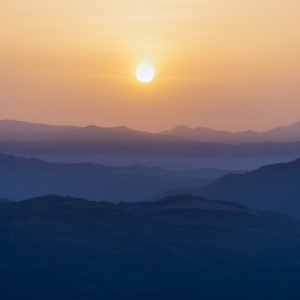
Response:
column 280, row 134
column 274, row 187
column 265, row 187
column 290, row 207
column 65, row 248
column 25, row 178
column 11, row 130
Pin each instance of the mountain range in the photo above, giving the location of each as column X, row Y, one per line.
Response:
column 282, row 134
column 272, row 187
column 11, row 130
column 22, row 178
column 121, row 146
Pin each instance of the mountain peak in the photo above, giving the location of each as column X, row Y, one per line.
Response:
column 181, row 127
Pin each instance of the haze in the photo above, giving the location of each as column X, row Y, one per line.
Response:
column 221, row 64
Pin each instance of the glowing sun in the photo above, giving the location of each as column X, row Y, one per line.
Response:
column 145, row 73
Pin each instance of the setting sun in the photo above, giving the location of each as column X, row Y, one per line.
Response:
column 145, row 73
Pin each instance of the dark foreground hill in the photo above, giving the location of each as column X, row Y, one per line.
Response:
column 176, row 248
column 274, row 187
column 4, row 200
column 26, row 178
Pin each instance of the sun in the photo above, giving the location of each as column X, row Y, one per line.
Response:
column 145, row 73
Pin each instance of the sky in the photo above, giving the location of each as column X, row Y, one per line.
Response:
column 224, row 64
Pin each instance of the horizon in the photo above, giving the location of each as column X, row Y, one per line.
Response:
column 223, row 65
column 161, row 131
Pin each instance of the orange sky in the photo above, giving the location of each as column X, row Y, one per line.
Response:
column 231, row 64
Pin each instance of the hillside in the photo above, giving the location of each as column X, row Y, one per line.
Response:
column 4, row 200
column 273, row 187
column 65, row 248
column 22, row 178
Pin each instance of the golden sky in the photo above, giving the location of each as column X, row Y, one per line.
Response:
column 223, row 64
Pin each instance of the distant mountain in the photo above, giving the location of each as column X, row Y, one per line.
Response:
column 18, row 130
column 121, row 146
column 11, row 130
column 178, row 248
column 273, row 187
column 284, row 134
column 26, row 178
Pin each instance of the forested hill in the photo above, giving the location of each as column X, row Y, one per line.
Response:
column 269, row 187
column 177, row 248
column 4, row 200
column 273, row 187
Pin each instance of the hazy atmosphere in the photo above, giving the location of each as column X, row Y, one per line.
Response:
column 227, row 65
column 149, row 149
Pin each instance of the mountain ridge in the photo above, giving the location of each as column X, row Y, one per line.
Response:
column 273, row 187
column 121, row 146
column 287, row 133
column 11, row 130
column 29, row 177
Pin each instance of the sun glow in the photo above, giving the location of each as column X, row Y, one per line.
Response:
column 145, row 73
